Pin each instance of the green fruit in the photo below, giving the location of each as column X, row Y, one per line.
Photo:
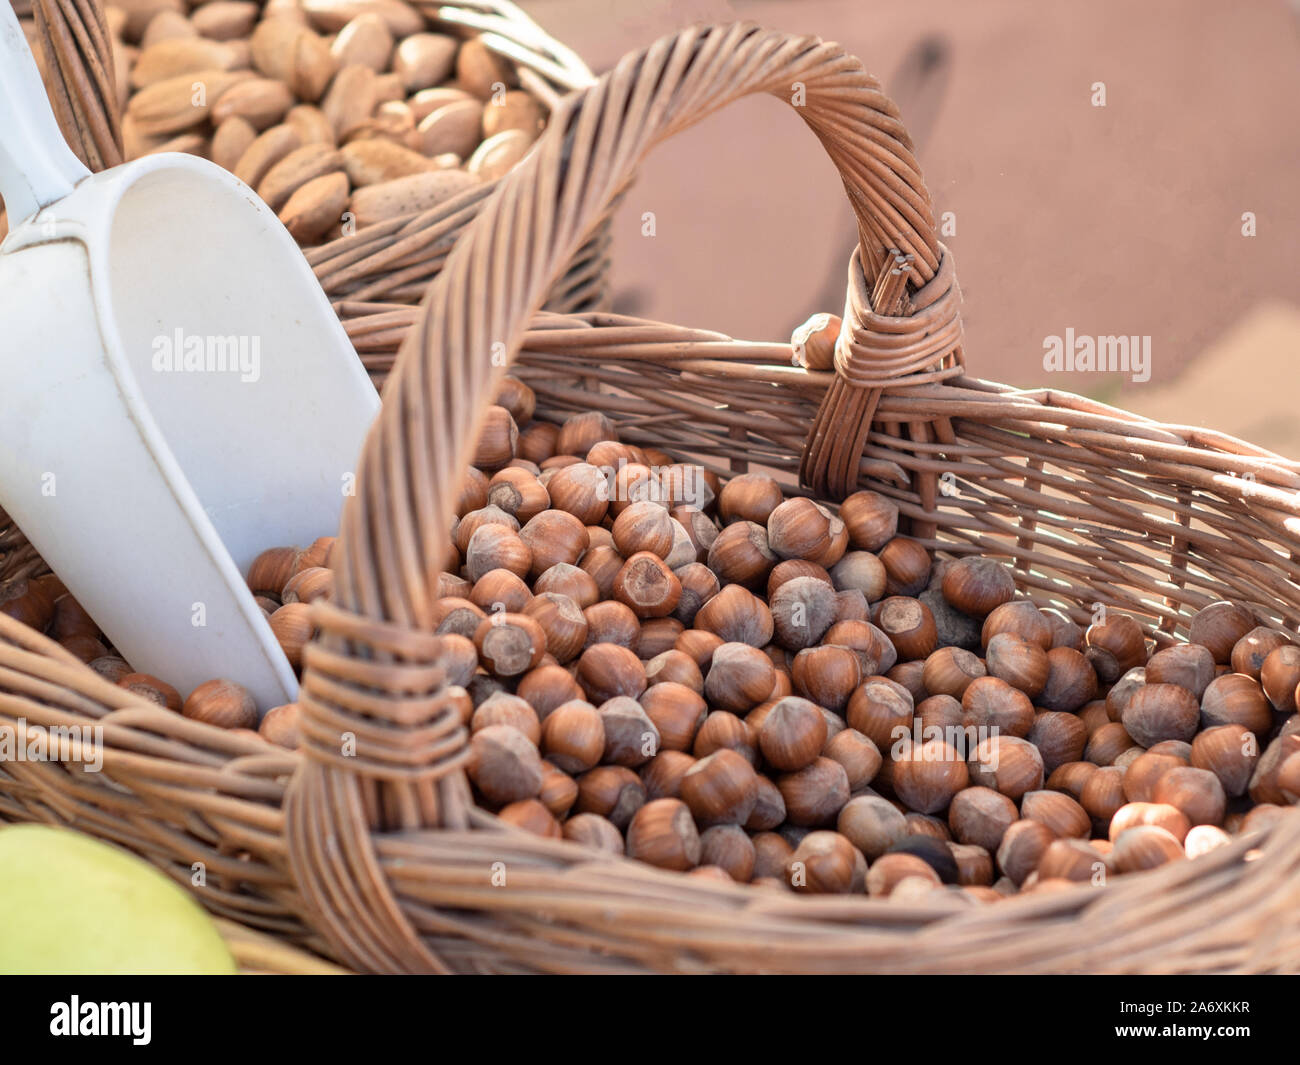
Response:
column 70, row 904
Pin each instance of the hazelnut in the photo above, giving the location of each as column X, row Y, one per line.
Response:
column 1167, row 817
column 663, row 834
column 559, row 791
column 293, row 630
column 749, row 497
column 647, row 585
column 909, row 625
column 699, row 645
column 497, row 591
column 579, row 433
column 280, row 726
column 851, row 605
column 222, row 703
column 613, row 791
column 1065, row 633
column 992, row 704
column 554, row 537
column 537, row 442
column 954, row 629
column 890, row 870
column 863, row 639
column 1279, row 675
column 517, row 398
column 631, row 738
column 927, row 775
column 146, row 685
column 941, row 712
column 518, row 492
column 1022, row 848
column 1249, row 653
column 813, row 342
column 572, row 581
column 531, row 815
column 1060, row 738
column 771, row 852
column 1074, row 860
column 506, row 709
column 1108, row 744
column 662, row 775
column 825, row 863
column 737, row 616
column 1196, row 792
column 769, row 807
column 871, row 520
column 1204, row 838
column 459, row 617
column 729, row 848
column 581, row 490
column 1158, row 712
column 981, row 816
column 1144, row 847
column 907, row 567
column 1115, row 645
column 674, row 667
column 699, row 528
column 802, row 610
column 934, row 850
column 739, row 677
column 613, row 623
column 1021, row 663
column 720, row 788
column 677, row 712
column 497, row 440
column 860, row 757
column 1008, row 765
column 1141, row 775
column 1070, row 778
column 977, row 585
column 1230, row 752
column 1117, row 699
column 602, row 564
column 1103, row 793
column 1071, row 681
column 827, row 675
column 698, row 585
column 1218, row 627
column 798, row 528
column 871, row 824
column 504, row 764
column 464, row 529
column 861, row 571
column 740, row 555
column 546, row 688
column 606, row 670
column 1020, row 618
column 1263, row 786
column 1062, row 814
column 882, row 711
column 793, row 734
column 1187, row 665
column 564, row 625
column 643, row 527
column 269, row 573
column 724, row 729
column 308, row 585
column 496, row 547
column 573, row 736
column 950, row 671
column 815, row 794
column 510, row 644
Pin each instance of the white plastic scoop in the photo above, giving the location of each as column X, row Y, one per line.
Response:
column 176, row 394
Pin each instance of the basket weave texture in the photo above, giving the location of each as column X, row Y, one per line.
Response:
column 380, row 859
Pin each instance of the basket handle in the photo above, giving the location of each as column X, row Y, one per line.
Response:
column 374, row 674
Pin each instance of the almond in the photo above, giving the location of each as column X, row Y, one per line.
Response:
column 497, row 155
column 167, row 26
column 350, row 99
column 388, row 87
column 262, row 101
column 408, row 195
column 181, row 55
column 395, row 127
column 424, row 60
column 313, row 67
column 330, row 15
column 373, row 162
column 427, row 101
column 456, row 128
column 293, row 54
column 296, row 169
column 225, row 20
column 186, row 143
column 181, row 102
column 366, row 41
column 265, row 152
column 481, row 71
column 311, row 125
column 515, row 110
column 315, row 207
column 230, row 141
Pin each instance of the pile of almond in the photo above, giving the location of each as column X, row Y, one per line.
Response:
column 339, row 113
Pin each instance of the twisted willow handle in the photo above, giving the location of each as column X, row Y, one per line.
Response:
column 383, row 734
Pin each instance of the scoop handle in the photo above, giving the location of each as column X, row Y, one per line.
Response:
column 36, row 165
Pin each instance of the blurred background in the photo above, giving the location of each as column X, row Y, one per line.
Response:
column 1130, row 218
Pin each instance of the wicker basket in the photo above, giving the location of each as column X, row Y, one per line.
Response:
column 381, row 857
